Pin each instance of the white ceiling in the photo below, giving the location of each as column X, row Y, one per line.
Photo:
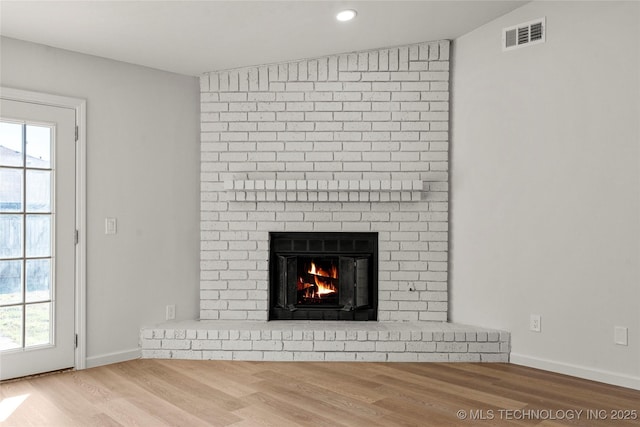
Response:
column 193, row 37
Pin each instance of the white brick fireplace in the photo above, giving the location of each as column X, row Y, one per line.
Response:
column 353, row 142
column 326, row 145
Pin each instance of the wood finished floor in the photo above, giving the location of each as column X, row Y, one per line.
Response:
column 223, row 393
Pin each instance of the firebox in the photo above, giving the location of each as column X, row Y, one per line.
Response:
column 323, row 276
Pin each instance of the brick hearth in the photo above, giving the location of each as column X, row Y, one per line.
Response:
column 325, row 341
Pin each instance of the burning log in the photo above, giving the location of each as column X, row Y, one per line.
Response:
column 318, row 284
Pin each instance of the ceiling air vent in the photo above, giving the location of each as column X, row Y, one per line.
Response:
column 527, row 34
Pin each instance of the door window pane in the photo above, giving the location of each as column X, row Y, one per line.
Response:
column 10, row 282
column 37, row 322
column 10, row 144
column 26, row 204
column 10, row 327
column 38, row 236
column 38, row 191
column 38, row 147
column 10, row 190
column 38, row 280
column 11, row 232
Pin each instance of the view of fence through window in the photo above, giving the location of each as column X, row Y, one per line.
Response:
column 26, row 239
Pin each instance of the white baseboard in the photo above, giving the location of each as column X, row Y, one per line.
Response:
column 109, row 358
column 576, row 371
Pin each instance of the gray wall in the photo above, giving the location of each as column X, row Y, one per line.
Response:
column 545, row 186
column 142, row 168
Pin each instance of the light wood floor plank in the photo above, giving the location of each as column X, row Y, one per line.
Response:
column 157, row 393
column 310, row 397
column 235, row 384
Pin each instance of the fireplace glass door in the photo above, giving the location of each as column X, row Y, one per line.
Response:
column 323, row 276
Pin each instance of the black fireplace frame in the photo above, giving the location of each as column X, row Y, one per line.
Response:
column 343, row 245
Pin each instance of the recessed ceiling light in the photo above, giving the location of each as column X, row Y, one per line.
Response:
column 346, row 15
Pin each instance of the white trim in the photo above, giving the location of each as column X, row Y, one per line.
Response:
column 599, row 375
column 109, row 358
column 81, row 226
column 80, row 107
column 40, row 98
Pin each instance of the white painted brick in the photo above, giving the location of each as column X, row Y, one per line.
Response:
column 433, row 357
column 186, row 354
column 357, row 86
column 268, row 345
column 206, row 345
column 356, row 106
column 402, row 357
column 233, row 315
column 451, row 347
column 217, row 355
column 247, row 355
column 277, row 356
column 494, row 358
column 421, row 347
column 299, row 86
column 308, row 356
column 175, row 344
column 404, row 316
column 339, row 357
column 156, row 354
column 371, row 357
column 488, row 347
column 493, row 336
column 151, row 343
column 328, row 346
column 380, row 76
column 390, row 346
column 204, row 83
column 444, row 50
column 382, row 116
column 464, row 357
column 433, row 316
column 236, row 345
column 360, row 346
column 298, row 346
column 351, row 132
column 148, row 333
column 233, row 97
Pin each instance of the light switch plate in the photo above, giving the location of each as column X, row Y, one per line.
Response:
column 170, row 312
column 110, row 226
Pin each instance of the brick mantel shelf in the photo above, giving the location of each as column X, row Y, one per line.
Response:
column 324, row 190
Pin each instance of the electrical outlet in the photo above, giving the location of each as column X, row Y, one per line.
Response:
column 171, row 312
column 620, row 334
column 534, row 323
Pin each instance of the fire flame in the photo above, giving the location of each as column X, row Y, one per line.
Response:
column 322, row 287
column 316, row 271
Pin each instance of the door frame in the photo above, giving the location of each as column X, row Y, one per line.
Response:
column 80, row 107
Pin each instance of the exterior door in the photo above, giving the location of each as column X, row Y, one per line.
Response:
column 37, row 238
